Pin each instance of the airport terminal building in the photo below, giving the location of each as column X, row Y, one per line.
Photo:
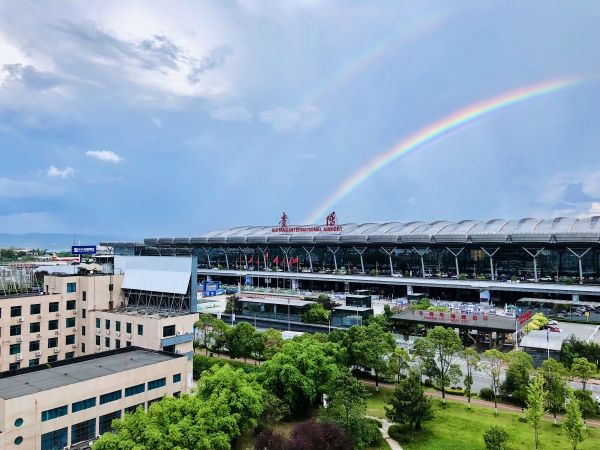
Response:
column 558, row 258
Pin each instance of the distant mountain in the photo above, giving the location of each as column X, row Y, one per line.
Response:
column 53, row 241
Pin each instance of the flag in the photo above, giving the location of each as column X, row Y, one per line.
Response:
column 251, row 260
column 276, row 260
column 295, row 260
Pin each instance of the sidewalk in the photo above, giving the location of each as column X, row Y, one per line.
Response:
column 385, row 426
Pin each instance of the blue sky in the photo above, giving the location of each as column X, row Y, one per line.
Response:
column 146, row 118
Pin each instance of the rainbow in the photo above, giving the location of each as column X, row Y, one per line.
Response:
column 454, row 121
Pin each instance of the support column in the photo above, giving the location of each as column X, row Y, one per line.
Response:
column 245, row 257
column 263, row 251
column 334, row 251
column 456, row 259
column 534, row 256
column 207, row 256
column 390, row 258
column 286, row 252
column 309, row 253
column 578, row 256
column 491, row 256
column 421, row 254
column 360, row 253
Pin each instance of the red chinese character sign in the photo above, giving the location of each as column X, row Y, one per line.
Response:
column 330, row 226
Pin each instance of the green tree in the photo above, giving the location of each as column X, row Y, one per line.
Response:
column 573, row 423
column 273, row 341
column 316, row 313
column 204, row 325
column 588, row 406
column 494, row 360
column 399, row 362
column 495, row 438
column 274, row 410
column 439, row 349
column 347, row 406
column 555, row 385
column 218, row 336
column 408, row 403
column 583, row 369
column 536, row 400
column 472, row 360
column 241, row 340
column 300, row 372
column 520, row 364
column 372, row 349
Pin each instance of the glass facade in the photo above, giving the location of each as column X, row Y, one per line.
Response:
column 83, row 431
column 55, row 440
column 105, row 421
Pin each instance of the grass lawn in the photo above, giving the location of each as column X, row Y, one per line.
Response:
column 455, row 427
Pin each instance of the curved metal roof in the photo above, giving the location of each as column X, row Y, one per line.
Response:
column 566, row 230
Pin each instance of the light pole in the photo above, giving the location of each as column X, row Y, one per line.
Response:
column 288, row 314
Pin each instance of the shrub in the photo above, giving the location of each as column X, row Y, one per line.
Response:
column 486, row 394
column 588, row 406
column 308, row 435
column 495, row 438
column 455, row 391
column 428, row 382
column 395, row 432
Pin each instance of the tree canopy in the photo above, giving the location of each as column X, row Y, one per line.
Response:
column 408, row 403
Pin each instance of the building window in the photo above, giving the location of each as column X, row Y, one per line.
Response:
column 83, row 295
column 70, row 339
column 70, row 322
column 53, row 324
column 169, row 330
column 53, row 342
column 128, row 327
column 71, row 305
column 107, row 342
column 155, row 384
column 117, row 325
column 52, row 358
column 83, row 404
column 105, row 421
column 53, row 307
column 14, row 366
column 98, row 340
column 55, row 439
column 127, row 344
column 34, row 362
column 54, row 413
column 83, row 347
column 18, row 440
column 107, row 324
column 140, row 330
column 15, row 311
column 177, row 378
column 83, row 330
column 169, row 348
column 176, row 394
column 83, row 431
column 71, row 287
column 34, row 346
column 131, row 409
column 15, row 330
column 35, row 309
column 110, row 397
column 34, row 327
column 97, row 322
column 83, row 313
column 14, row 349
column 153, row 401
column 18, row 422
column 69, row 355
column 117, row 343
column 133, row 390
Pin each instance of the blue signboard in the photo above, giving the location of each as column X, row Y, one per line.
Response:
column 83, row 250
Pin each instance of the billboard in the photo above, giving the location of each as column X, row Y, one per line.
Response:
column 83, row 250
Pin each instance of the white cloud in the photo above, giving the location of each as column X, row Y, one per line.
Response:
column 105, row 155
column 285, row 119
column 54, row 171
column 157, row 121
column 232, row 114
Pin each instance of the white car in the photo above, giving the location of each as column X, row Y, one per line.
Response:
column 598, row 398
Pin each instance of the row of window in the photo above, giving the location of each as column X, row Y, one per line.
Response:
column 107, row 342
column 35, row 327
column 128, row 326
column 36, row 308
column 35, row 345
column 106, row 398
column 36, row 361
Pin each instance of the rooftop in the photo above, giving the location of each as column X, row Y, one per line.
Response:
column 147, row 311
column 42, row 378
column 559, row 229
column 543, row 339
column 276, row 301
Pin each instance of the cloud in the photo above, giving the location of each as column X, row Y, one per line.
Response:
column 214, row 59
column 284, row 119
column 232, row 114
column 54, row 171
column 157, row 121
column 28, row 76
column 105, row 155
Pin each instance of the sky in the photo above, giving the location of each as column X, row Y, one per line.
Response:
column 174, row 118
